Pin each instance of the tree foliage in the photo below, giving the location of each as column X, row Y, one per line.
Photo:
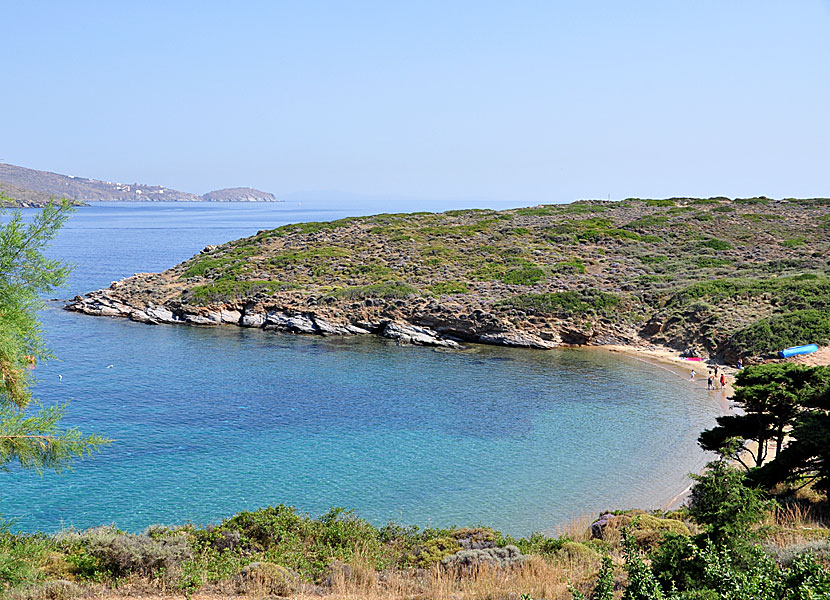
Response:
column 722, row 501
column 772, row 397
column 30, row 434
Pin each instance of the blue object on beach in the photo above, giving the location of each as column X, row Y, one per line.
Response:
column 795, row 350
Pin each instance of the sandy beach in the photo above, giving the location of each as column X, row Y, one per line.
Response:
column 670, row 360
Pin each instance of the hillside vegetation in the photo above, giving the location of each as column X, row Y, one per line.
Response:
column 741, row 277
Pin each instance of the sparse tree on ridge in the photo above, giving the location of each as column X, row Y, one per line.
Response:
column 31, row 434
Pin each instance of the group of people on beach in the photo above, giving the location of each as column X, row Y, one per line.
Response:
column 712, row 382
column 713, row 379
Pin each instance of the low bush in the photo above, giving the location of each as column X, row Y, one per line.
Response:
column 716, row 244
column 449, row 288
column 775, row 333
column 524, row 276
column 118, row 553
column 576, row 302
column 385, row 290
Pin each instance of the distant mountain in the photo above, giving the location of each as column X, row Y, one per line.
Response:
column 29, row 183
column 239, row 194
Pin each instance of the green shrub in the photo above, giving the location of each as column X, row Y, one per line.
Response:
column 524, row 276
column 574, row 265
column 434, row 551
column 710, row 261
column 716, row 244
column 539, row 211
column 649, row 259
column 449, row 288
column 230, row 290
column 385, row 290
column 120, row 554
column 759, row 200
column 775, row 333
column 647, row 221
column 20, row 556
column 581, row 302
column 794, row 242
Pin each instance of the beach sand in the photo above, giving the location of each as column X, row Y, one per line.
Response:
column 671, row 361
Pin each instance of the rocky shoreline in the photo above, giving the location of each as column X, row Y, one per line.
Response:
column 419, row 322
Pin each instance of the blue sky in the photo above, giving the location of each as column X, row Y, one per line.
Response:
column 524, row 102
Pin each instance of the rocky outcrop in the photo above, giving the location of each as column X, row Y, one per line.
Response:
column 404, row 322
column 506, row 557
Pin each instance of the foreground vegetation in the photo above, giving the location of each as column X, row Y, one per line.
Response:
column 733, row 278
column 728, row 543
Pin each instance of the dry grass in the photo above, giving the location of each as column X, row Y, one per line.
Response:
column 795, row 523
column 537, row 577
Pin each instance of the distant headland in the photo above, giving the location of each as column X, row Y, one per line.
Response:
column 33, row 188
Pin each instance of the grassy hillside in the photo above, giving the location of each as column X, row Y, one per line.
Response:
column 730, row 277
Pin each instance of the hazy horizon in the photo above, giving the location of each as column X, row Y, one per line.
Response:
column 528, row 104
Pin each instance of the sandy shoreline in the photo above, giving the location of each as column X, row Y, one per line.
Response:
column 670, row 360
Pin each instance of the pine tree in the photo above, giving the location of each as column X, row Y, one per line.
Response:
column 30, row 433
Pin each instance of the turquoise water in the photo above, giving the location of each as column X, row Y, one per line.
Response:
column 208, row 422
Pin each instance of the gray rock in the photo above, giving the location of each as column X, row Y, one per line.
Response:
column 519, row 339
column 292, row 323
column 230, row 316
column 493, row 557
column 412, row 334
column 161, row 314
column 209, row 319
column 253, row 320
column 325, row 328
column 355, row 330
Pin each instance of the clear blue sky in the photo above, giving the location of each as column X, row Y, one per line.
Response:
column 527, row 102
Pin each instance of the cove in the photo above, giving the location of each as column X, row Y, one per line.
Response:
column 208, row 422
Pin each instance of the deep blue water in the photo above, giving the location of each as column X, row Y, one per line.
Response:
column 208, row 422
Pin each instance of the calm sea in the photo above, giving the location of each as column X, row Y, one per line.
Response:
column 208, row 422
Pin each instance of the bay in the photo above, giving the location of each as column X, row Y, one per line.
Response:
column 208, row 422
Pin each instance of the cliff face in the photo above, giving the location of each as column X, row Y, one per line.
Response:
column 43, row 184
column 712, row 276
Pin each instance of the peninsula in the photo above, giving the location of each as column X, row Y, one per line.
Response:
column 732, row 278
column 33, row 188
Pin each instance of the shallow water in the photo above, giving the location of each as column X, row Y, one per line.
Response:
column 208, row 422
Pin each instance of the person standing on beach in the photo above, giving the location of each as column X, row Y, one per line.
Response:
column 722, row 381
column 710, row 383
column 692, row 375
column 716, row 369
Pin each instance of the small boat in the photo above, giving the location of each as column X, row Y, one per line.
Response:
column 796, row 350
column 692, row 358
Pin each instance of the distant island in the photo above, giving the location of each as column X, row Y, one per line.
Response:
column 32, row 188
column 732, row 278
